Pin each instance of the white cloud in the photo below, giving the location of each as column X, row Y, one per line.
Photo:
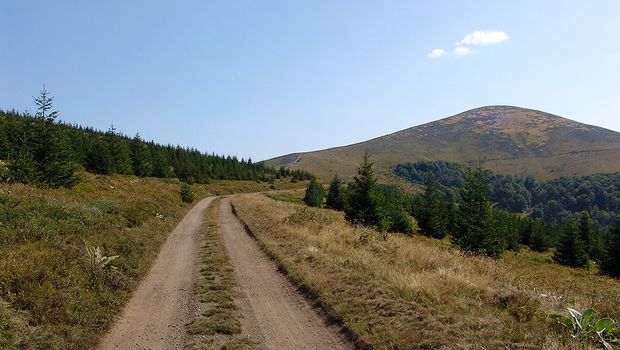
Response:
column 483, row 38
column 437, row 53
column 462, row 51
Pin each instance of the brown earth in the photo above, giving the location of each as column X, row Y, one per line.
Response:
column 275, row 314
column 156, row 315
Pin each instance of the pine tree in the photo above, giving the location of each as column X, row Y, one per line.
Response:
column 23, row 167
column 141, row 158
column 451, row 214
column 570, row 250
column 98, row 158
column 46, row 156
column 361, row 206
column 611, row 262
column 59, row 166
column 432, row 214
column 44, row 104
column 585, row 231
column 389, row 202
column 538, row 240
column 315, row 193
column 119, row 152
column 596, row 252
column 473, row 231
column 335, row 194
column 5, row 145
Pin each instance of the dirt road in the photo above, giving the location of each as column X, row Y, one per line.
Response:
column 156, row 315
column 275, row 314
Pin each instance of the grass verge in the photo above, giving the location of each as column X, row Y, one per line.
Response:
column 53, row 294
column 218, row 325
column 418, row 293
column 56, row 294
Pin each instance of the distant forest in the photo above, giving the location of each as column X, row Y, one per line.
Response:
column 553, row 201
column 40, row 150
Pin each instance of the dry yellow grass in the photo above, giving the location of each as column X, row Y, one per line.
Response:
column 419, row 293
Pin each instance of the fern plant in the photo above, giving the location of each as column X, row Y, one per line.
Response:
column 586, row 324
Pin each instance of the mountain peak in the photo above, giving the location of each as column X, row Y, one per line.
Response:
column 506, row 139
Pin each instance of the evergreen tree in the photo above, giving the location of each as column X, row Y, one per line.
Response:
column 5, row 145
column 98, row 158
column 57, row 165
column 315, row 193
column 335, row 194
column 585, row 231
column 44, row 104
column 570, row 250
column 611, row 262
column 473, row 218
column 432, row 214
column 389, row 202
column 505, row 227
column 361, row 207
column 119, row 152
column 141, row 158
column 596, row 252
column 22, row 166
column 160, row 164
column 45, row 155
column 451, row 213
column 538, row 240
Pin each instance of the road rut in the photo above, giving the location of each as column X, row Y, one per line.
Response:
column 157, row 313
column 275, row 314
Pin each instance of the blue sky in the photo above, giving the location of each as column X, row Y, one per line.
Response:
column 264, row 78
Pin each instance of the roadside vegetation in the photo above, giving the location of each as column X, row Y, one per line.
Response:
column 218, row 325
column 473, row 222
column 70, row 258
column 396, row 291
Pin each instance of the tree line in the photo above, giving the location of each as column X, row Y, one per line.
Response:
column 468, row 216
column 40, row 150
column 554, row 200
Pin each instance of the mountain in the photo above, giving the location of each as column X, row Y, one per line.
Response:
column 505, row 139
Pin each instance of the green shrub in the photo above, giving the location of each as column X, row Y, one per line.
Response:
column 315, row 193
column 187, row 194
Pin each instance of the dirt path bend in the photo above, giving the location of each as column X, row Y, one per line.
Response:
column 274, row 313
column 156, row 315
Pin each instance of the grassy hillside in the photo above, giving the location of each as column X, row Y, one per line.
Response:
column 53, row 294
column 412, row 292
column 508, row 140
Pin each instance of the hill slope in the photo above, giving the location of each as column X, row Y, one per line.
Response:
column 505, row 139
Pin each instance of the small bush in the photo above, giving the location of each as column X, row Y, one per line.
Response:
column 187, row 194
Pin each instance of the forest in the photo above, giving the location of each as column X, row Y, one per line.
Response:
column 553, row 201
column 41, row 150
